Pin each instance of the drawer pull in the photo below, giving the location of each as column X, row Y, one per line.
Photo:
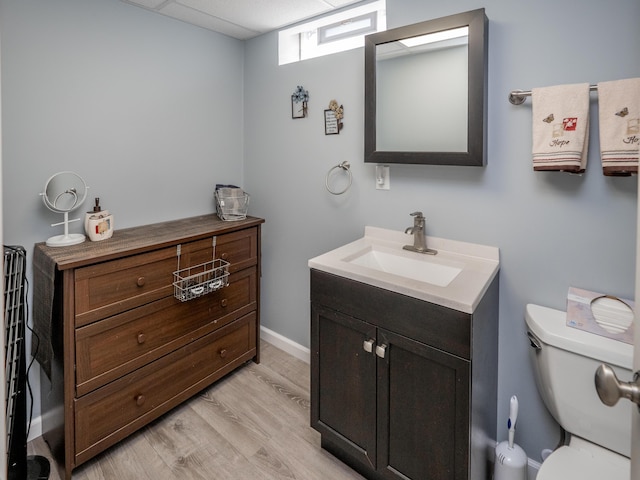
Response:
column 140, row 282
column 368, row 345
column 141, row 338
column 223, row 353
column 197, row 290
column 224, row 256
column 224, row 302
column 140, row 400
column 381, row 350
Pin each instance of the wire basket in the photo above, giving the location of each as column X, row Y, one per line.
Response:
column 233, row 205
column 196, row 281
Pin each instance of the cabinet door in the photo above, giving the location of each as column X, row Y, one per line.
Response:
column 423, row 411
column 343, row 391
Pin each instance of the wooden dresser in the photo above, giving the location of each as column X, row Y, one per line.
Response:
column 124, row 349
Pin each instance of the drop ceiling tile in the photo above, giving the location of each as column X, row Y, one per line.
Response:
column 146, row 3
column 241, row 19
column 209, row 22
column 341, row 3
column 259, row 15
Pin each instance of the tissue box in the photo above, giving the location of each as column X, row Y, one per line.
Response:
column 609, row 317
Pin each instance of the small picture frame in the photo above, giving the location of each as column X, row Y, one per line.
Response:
column 331, row 123
column 333, row 118
column 298, row 108
column 299, row 100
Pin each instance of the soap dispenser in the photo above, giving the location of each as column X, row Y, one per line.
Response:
column 98, row 224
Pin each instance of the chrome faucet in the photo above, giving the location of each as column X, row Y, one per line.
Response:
column 419, row 239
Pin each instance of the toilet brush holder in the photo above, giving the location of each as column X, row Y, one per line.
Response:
column 510, row 462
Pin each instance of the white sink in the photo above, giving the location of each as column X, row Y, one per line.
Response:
column 457, row 277
column 421, row 268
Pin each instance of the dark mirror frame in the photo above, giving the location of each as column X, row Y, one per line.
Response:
column 475, row 155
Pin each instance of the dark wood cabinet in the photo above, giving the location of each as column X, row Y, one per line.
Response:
column 401, row 388
column 343, row 387
column 125, row 349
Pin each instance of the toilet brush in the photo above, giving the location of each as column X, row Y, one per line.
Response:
column 510, row 461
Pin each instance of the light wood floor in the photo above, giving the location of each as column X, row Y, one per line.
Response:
column 251, row 425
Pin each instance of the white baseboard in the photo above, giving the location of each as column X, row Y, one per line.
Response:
column 283, row 343
column 532, row 470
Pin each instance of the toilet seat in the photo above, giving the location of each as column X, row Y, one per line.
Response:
column 582, row 460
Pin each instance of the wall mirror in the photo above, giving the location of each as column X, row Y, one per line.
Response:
column 64, row 192
column 425, row 92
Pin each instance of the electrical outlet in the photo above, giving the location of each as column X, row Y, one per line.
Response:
column 383, row 182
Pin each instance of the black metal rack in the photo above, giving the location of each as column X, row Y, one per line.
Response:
column 19, row 466
column 15, row 370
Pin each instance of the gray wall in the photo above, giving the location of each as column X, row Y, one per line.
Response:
column 153, row 112
column 553, row 230
column 3, row 429
column 146, row 108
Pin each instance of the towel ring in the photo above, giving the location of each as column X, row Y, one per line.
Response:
column 347, row 168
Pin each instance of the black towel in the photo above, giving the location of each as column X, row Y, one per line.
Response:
column 44, row 273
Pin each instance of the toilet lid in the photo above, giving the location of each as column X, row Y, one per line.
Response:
column 568, row 463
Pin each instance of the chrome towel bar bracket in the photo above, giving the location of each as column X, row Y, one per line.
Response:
column 518, row 97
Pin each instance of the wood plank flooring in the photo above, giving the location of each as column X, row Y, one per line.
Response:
column 251, row 425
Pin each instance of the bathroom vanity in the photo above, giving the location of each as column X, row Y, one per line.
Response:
column 404, row 387
column 125, row 349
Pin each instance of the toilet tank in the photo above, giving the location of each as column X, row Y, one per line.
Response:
column 565, row 360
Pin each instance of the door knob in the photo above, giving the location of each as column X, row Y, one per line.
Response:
column 610, row 389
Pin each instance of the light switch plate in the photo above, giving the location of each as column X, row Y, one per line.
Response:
column 383, row 182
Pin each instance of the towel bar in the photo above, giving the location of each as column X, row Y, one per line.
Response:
column 517, row 97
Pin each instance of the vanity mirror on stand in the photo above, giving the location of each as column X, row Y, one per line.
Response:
column 425, row 92
column 64, row 192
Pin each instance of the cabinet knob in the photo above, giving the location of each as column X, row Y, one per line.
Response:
column 368, row 345
column 381, row 350
column 224, row 302
column 224, row 256
column 223, row 353
column 140, row 282
column 141, row 338
column 140, row 400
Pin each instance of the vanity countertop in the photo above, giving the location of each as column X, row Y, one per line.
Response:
column 477, row 265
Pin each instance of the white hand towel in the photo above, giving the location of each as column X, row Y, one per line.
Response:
column 619, row 112
column 560, row 127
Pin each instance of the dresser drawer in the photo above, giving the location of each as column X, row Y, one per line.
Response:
column 111, row 287
column 112, row 412
column 110, row 348
column 108, row 288
column 240, row 249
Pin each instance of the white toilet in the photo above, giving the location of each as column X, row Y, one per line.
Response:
column 565, row 360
